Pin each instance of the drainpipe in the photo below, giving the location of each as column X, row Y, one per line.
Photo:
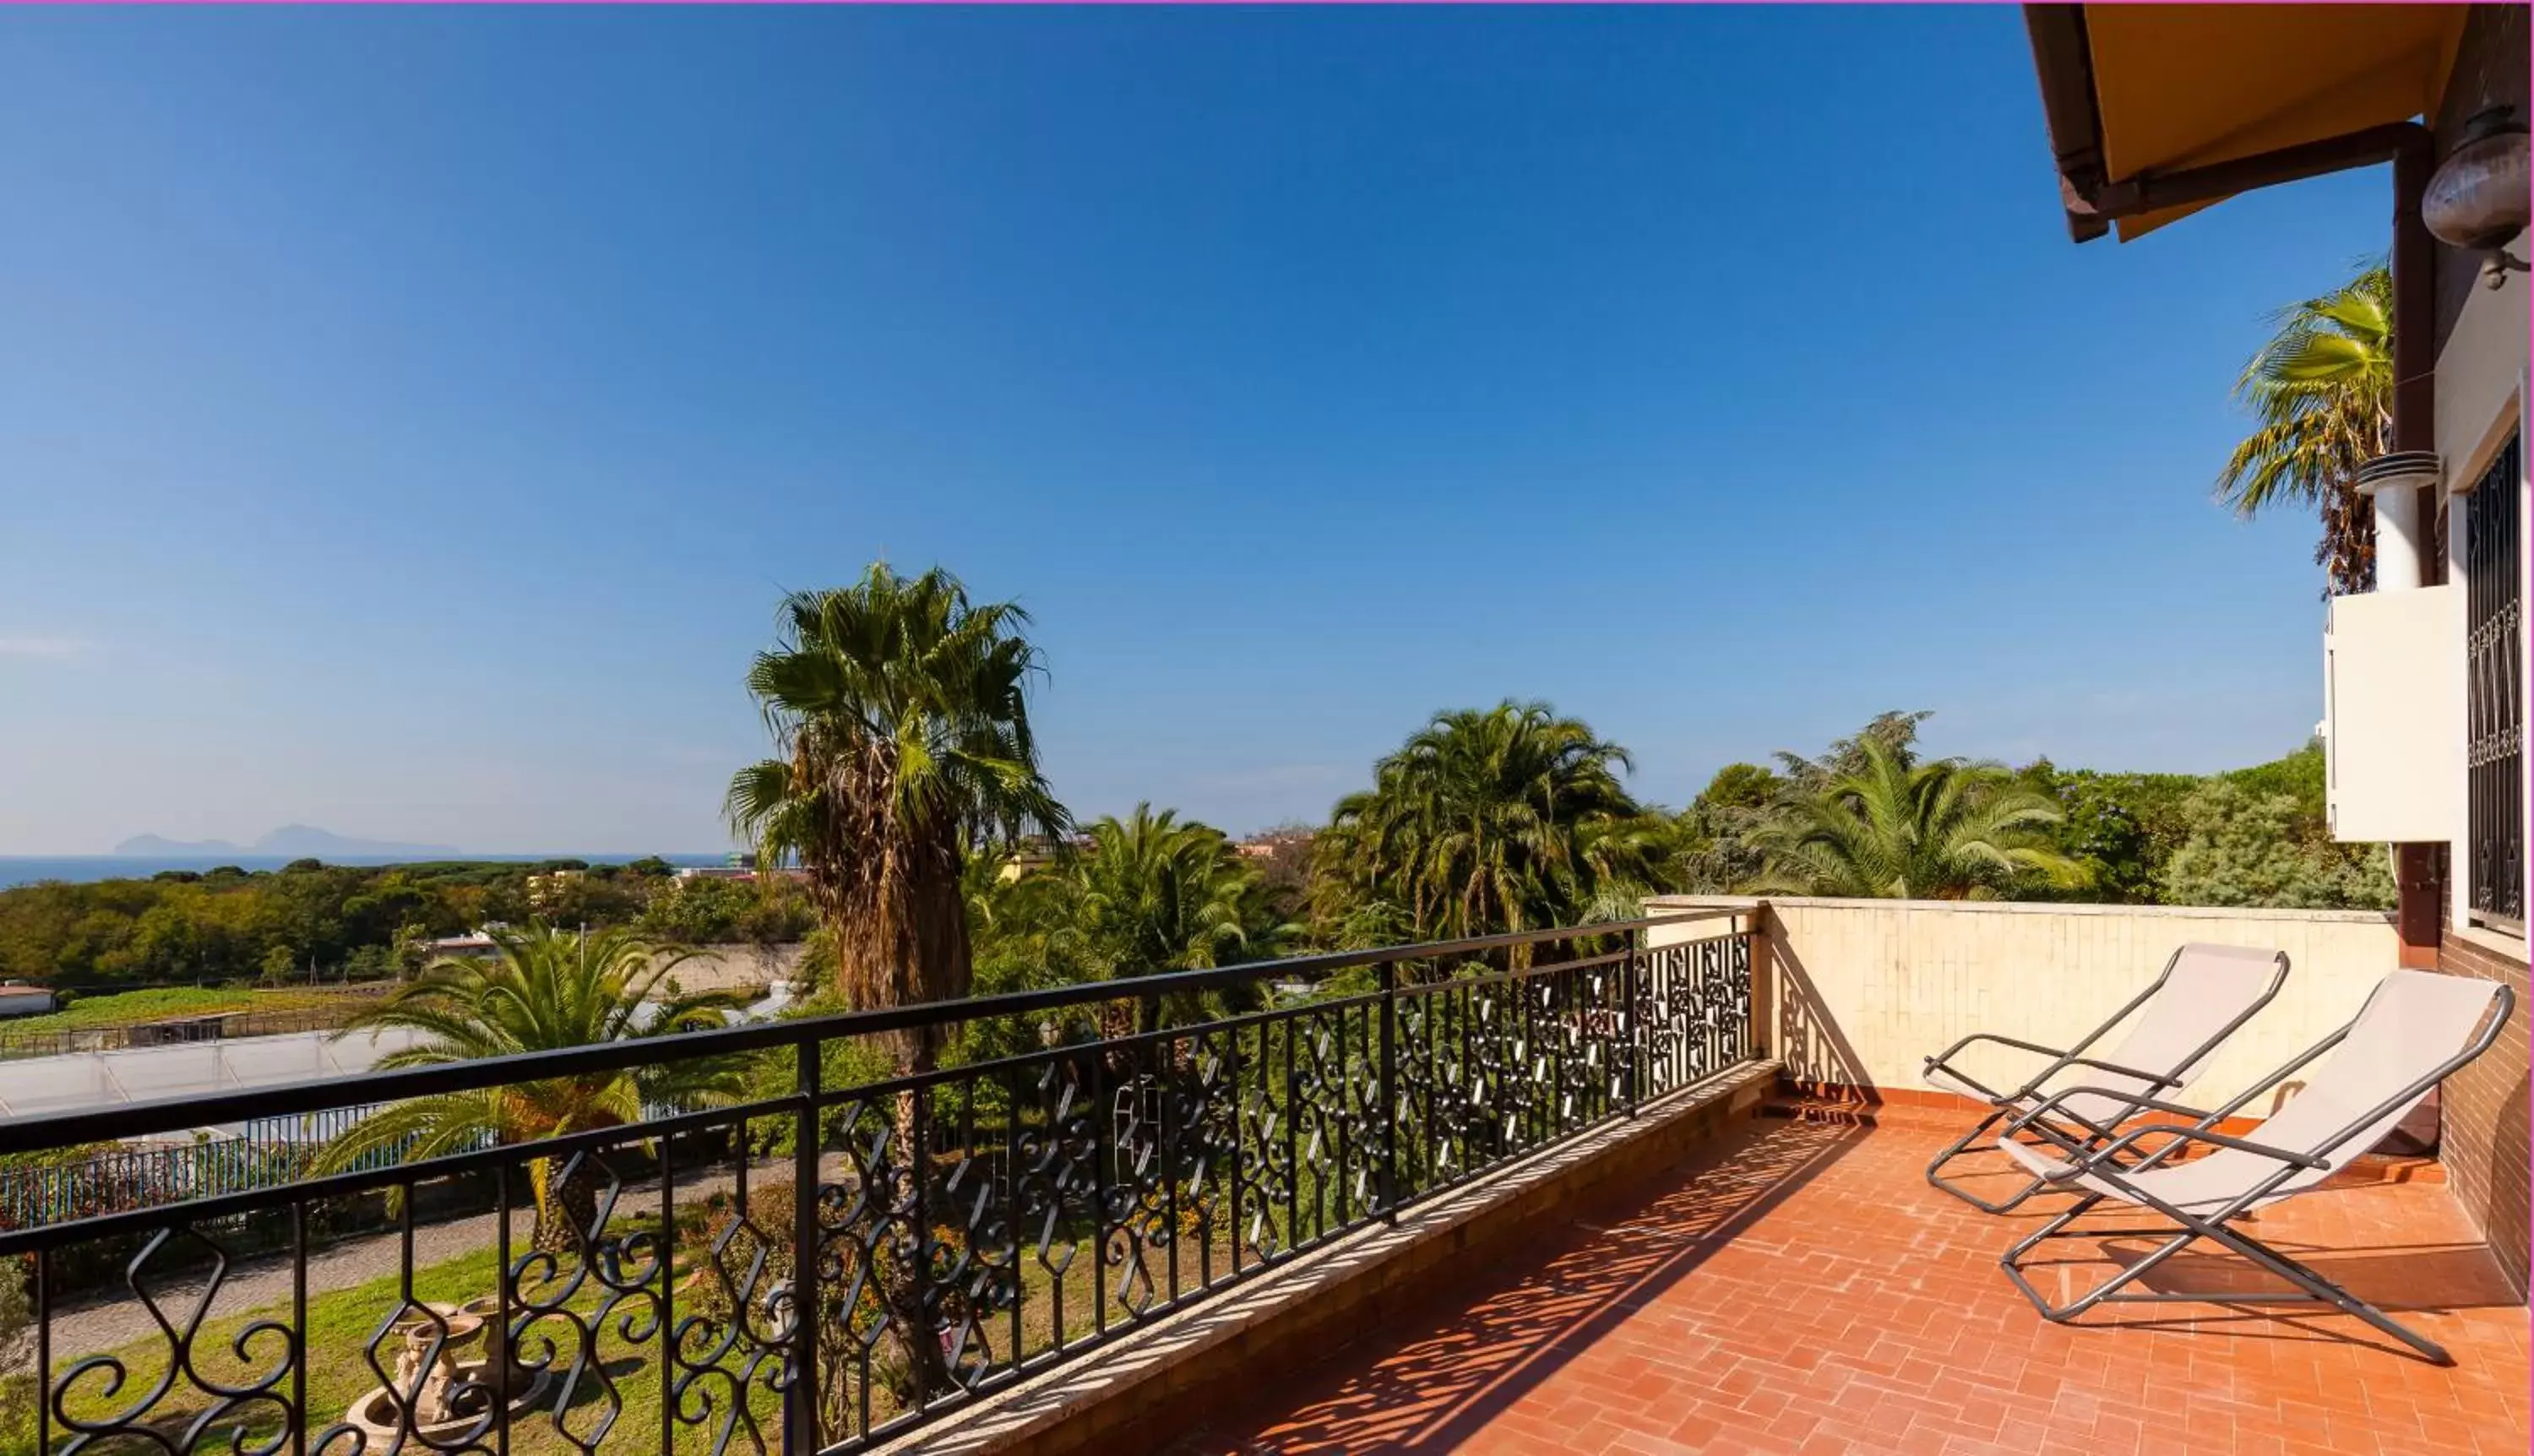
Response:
column 2404, row 515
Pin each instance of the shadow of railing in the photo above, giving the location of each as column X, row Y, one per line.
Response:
column 1455, row 1373
column 1816, row 1054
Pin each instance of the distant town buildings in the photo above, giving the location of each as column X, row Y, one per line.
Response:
column 546, row 890
column 741, row 867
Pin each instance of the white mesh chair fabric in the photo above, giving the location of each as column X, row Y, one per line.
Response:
column 2353, row 1088
column 2175, row 1034
column 2412, row 1023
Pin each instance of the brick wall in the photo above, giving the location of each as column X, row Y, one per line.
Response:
column 2484, row 1111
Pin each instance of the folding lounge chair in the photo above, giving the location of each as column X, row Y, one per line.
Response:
column 2416, row 1028
column 2201, row 997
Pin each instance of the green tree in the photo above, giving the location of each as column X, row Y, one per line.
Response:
column 2321, row 389
column 1716, row 846
column 2248, row 847
column 1487, row 821
column 899, row 710
column 547, row 989
column 1151, row 894
column 1895, row 828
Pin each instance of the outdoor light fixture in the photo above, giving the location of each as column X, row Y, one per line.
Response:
column 2477, row 199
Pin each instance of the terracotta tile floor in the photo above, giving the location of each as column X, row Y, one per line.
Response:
column 1798, row 1288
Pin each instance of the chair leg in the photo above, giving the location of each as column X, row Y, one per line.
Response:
column 1960, row 1146
column 2317, row 1289
column 2325, row 1292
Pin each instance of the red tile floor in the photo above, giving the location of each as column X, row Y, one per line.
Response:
column 1797, row 1287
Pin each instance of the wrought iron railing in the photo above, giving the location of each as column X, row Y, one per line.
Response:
column 2494, row 691
column 819, row 1268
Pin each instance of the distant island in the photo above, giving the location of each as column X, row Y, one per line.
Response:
column 296, row 841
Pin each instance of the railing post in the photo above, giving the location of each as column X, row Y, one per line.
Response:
column 1628, row 1022
column 801, row 1410
column 1390, row 1091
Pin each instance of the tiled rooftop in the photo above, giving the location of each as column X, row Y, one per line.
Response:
column 1796, row 1287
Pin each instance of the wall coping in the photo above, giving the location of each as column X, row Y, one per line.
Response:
column 2505, row 946
column 1019, row 1416
column 1658, row 903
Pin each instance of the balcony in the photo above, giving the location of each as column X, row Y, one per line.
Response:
column 1651, row 1186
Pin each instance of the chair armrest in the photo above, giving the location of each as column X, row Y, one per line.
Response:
column 2091, row 1161
column 2051, row 1104
column 1949, row 1053
column 2152, row 1079
column 1942, row 1059
column 2203, row 1134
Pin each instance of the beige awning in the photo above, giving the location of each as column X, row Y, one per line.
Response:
column 2138, row 91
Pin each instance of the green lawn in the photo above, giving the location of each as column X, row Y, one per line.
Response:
column 343, row 1323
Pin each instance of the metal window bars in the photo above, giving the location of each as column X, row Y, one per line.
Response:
column 2494, row 688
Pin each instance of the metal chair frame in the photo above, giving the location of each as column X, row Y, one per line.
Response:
column 2101, row 1159
column 2026, row 1101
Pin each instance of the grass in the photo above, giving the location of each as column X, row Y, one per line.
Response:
column 341, row 1323
column 168, row 1003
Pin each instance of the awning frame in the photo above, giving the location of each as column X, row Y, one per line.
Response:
column 2063, row 59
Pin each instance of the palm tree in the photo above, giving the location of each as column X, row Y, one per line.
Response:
column 900, row 713
column 1505, row 819
column 545, row 991
column 2323, row 390
column 1893, row 827
column 900, row 709
column 1151, row 894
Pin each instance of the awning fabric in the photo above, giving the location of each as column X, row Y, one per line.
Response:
column 2185, row 85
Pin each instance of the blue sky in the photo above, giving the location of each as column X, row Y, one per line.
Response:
column 409, row 418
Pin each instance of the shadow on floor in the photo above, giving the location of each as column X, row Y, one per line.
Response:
column 1448, row 1372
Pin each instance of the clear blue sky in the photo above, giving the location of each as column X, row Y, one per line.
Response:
column 409, row 418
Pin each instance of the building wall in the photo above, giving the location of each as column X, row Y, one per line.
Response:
column 1859, row 992
column 2485, row 1133
column 725, row 967
column 2481, row 364
column 1854, row 994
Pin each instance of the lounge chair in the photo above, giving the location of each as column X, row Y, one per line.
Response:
column 2201, row 997
column 2416, row 1028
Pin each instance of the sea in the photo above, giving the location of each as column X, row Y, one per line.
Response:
column 18, row 869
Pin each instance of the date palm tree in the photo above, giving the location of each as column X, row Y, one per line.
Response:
column 1487, row 821
column 1153, row 894
column 2323, row 390
column 900, row 713
column 1893, row 827
column 545, row 990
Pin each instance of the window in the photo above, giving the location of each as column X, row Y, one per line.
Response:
column 2494, row 689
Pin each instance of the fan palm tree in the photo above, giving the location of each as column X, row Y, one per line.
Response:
column 1505, row 819
column 899, row 710
column 1892, row 827
column 900, row 715
column 545, row 991
column 1152, row 894
column 2323, row 389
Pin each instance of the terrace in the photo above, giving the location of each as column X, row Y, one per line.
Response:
column 1624, row 1188
column 1635, row 1188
